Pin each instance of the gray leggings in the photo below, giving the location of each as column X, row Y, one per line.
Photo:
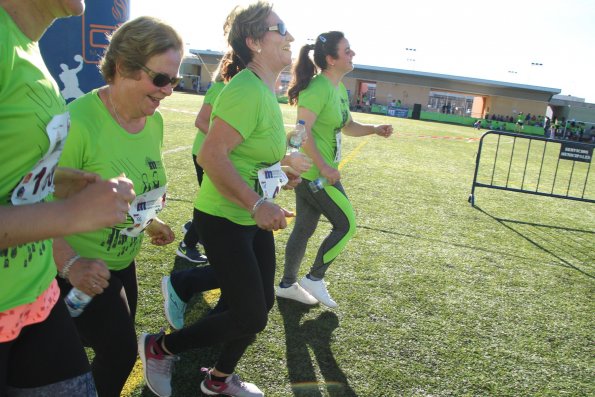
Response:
column 332, row 202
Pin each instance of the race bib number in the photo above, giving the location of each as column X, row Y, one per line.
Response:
column 271, row 180
column 144, row 209
column 38, row 183
column 338, row 150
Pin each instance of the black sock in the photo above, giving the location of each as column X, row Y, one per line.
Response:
column 218, row 378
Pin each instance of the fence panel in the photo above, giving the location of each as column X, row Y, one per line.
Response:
column 534, row 165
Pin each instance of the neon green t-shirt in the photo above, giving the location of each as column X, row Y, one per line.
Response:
column 29, row 99
column 252, row 109
column 331, row 106
column 210, row 96
column 98, row 144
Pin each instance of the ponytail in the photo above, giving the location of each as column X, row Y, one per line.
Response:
column 303, row 72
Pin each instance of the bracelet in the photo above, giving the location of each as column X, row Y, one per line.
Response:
column 67, row 265
column 257, row 204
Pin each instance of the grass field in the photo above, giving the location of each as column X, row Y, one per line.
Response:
column 436, row 298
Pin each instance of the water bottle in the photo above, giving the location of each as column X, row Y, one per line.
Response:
column 317, row 184
column 297, row 136
column 76, row 301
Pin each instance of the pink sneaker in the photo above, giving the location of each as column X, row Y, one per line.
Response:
column 233, row 386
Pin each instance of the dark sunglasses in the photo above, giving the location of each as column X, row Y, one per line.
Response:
column 161, row 79
column 280, row 28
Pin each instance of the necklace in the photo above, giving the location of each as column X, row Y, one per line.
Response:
column 109, row 92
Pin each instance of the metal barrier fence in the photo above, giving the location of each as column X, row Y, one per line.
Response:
column 534, row 165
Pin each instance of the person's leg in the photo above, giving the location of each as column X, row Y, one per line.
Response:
column 107, row 326
column 338, row 210
column 188, row 247
column 47, row 359
column 199, row 171
column 235, row 259
column 191, row 238
column 237, row 269
column 308, row 215
column 188, row 282
column 221, row 377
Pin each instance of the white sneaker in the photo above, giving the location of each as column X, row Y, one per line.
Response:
column 297, row 293
column 318, row 290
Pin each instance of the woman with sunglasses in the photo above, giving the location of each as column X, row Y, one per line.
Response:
column 116, row 130
column 241, row 157
column 323, row 104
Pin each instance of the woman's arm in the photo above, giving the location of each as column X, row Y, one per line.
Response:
column 214, row 159
column 100, row 204
column 88, row 275
column 203, row 118
column 353, row 128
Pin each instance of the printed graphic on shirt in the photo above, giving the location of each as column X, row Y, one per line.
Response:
column 26, row 252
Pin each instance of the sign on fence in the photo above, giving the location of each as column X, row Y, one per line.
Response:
column 397, row 111
column 576, row 151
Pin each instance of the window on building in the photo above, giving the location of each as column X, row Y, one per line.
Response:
column 450, row 103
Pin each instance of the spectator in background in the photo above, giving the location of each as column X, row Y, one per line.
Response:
column 519, row 122
column 547, row 127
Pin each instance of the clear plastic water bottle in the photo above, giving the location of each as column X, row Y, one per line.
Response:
column 317, row 184
column 297, row 136
column 76, row 301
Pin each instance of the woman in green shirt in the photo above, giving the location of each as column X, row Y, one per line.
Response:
column 117, row 129
column 40, row 351
column 324, row 105
column 241, row 157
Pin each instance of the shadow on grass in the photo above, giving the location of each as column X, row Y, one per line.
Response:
column 563, row 245
column 314, row 334
column 557, row 241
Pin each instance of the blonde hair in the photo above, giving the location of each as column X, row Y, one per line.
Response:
column 135, row 42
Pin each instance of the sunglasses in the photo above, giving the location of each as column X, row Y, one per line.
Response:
column 161, row 79
column 280, row 28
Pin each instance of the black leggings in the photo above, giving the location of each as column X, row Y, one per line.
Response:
column 43, row 354
column 244, row 261
column 107, row 326
column 197, row 279
column 192, row 238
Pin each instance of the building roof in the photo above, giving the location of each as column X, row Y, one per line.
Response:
column 453, row 83
column 435, row 81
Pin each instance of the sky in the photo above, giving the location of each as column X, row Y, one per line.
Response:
column 545, row 43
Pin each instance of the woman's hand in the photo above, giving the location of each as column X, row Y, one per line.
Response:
column 293, row 176
column 102, row 203
column 332, row 175
column 89, row 275
column 160, row 233
column 384, row 130
column 269, row 216
column 298, row 161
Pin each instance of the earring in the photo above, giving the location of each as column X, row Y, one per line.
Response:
column 259, row 50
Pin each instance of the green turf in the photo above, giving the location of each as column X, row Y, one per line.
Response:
column 436, row 298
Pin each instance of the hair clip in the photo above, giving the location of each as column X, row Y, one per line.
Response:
column 322, row 38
